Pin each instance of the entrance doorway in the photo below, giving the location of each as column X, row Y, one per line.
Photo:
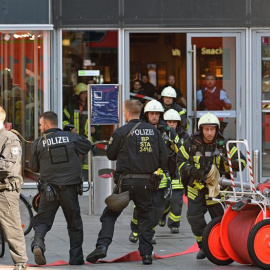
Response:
column 191, row 57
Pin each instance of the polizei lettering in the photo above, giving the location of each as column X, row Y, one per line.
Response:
column 143, row 132
column 55, row 140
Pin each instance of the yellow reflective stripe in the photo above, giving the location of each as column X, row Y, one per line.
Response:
column 176, row 139
column 85, row 166
column 244, row 162
column 198, row 185
column 76, row 122
column 167, row 210
column 196, row 159
column 193, row 190
column 198, row 238
column 184, row 152
column 65, row 123
column 67, row 113
column 232, row 151
column 86, row 128
column 182, row 112
column 135, row 221
column 191, row 196
column 174, row 218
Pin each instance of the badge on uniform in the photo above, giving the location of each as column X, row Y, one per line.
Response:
column 14, row 151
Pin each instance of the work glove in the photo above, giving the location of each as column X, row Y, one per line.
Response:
column 156, row 178
column 168, row 189
column 198, row 174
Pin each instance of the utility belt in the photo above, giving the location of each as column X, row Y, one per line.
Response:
column 137, row 176
column 51, row 191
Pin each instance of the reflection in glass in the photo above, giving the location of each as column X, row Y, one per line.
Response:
column 21, row 83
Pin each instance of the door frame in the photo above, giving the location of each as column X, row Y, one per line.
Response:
column 240, row 64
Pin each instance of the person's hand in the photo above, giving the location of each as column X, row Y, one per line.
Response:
column 168, row 189
column 197, row 173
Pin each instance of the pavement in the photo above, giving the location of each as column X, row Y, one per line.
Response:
column 57, row 245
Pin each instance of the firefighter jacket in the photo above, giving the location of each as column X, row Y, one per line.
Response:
column 78, row 116
column 172, row 166
column 196, row 153
column 140, row 152
column 56, row 156
column 10, row 158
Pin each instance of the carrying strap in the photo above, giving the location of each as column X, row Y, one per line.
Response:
column 133, row 129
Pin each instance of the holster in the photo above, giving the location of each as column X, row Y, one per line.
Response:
column 80, row 188
column 49, row 192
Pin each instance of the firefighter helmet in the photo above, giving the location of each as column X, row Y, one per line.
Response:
column 208, row 119
column 153, row 106
column 118, row 202
column 168, row 92
column 35, row 201
column 172, row 115
column 80, row 87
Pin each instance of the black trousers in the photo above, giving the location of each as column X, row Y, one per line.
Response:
column 43, row 221
column 173, row 207
column 197, row 209
column 159, row 206
column 140, row 191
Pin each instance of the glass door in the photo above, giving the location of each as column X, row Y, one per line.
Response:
column 213, row 80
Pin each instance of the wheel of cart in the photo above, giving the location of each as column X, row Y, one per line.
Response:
column 212, row 245
column 259, row 244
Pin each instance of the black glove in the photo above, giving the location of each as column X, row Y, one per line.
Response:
column 235, row 164
column 197, row 174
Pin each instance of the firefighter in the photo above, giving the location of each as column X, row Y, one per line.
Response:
column 204, row 151
column 153, row 111
column 173, row 206
column 168, row 101
column 77, row 115
column 56, row 156
column 139, row 151
column 10, row 176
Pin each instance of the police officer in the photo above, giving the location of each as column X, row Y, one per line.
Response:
column 153, row 111
column 168, row 101
column 10, row 177
column 173, row 206
column 56, row 156
column 139, row 151
column 195, row 159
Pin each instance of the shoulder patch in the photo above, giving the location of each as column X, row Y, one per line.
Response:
column 14, row 151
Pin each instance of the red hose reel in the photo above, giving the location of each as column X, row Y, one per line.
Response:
column 241, row 235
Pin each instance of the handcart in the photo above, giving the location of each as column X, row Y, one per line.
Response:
column 242, row 234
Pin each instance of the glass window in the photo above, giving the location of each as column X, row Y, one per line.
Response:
column 21, row 82
column 265, row 105
column 87, row 50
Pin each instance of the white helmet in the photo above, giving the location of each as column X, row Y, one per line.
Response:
column 168, row 92
column 172, row 114
column 208, row 119
column 153, row 106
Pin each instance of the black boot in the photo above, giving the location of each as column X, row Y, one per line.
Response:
column 200, row 255
column 99, row 253
column 39, row 255
column 147, row 259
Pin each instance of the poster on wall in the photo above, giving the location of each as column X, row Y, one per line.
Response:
column 104, row 104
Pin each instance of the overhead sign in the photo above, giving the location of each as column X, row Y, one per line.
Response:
column 88, row 72
column 104, row 104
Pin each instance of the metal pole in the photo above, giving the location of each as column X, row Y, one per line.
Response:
column 256, row 166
